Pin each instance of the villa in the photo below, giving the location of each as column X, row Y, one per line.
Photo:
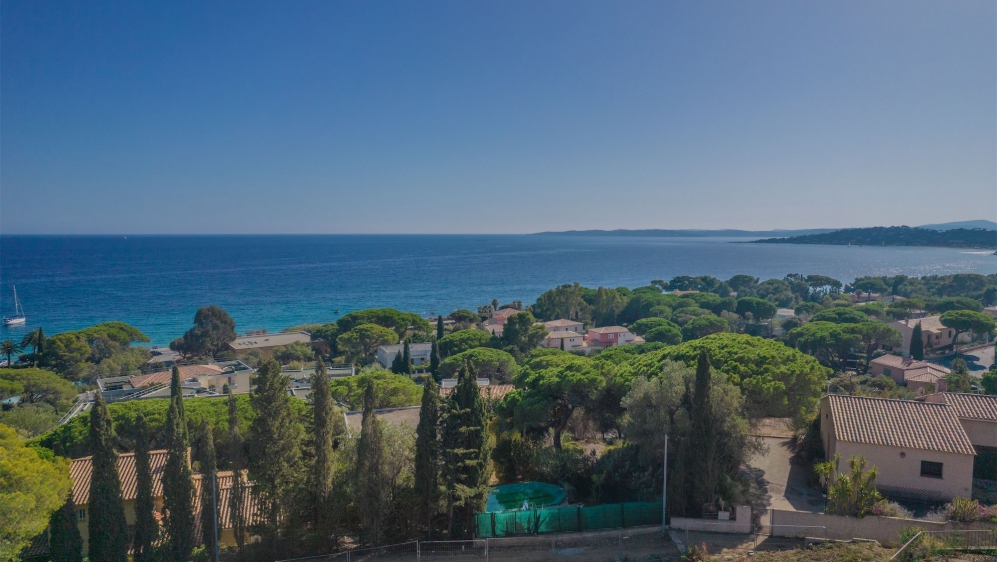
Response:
column 418, row 352
column 935, row 335
column 266, row 343
column 921, row 450
column 608, row 336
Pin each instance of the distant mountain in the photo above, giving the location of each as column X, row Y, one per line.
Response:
column 984, row 224
column 728, row 233
column 897, row 236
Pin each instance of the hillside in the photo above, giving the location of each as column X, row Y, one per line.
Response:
column 984, row 224
column 896, row 236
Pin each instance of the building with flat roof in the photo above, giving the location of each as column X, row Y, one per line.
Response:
column 265, row 343
column 418, row 352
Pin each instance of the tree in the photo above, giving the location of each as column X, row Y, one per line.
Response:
column 295, row 351
column 32, row 487
column 853, row 493
column 9, row 348
column 434, row 361
column 275, row 453
column 841, row 315
column 554, row 387
column 489, row 363
column 645, row 325
column 830, row 343
column 178, row 486
column 208, row 468
column 776, row 380
column 439, row 327
column 320, row 481
column 967, row 321
column 759, row 309
column 702, row 326
column 237, row 497
column 406, row 359
column 670, row 335
column 146, row 527
column 31, row 339
column 874, row 335
column 522, row 332
column 464, row 454
column 360, row 343
column 398, row 363
column 989, row 382
column 370, row 457
column 66, row 354
column 213, row 330
column 464, row 317
column 607, row 306
column 40, row 386
column 742, row 283
column 563, row 302
column 917, row 343
column 959, row 380
column 65, row 542
column 459, row 342
column 108, row 529
column 701, row 443
column 427, row 456
column 395, row 320
column 390, row 390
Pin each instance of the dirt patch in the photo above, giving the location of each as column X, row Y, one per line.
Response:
column 773, row 427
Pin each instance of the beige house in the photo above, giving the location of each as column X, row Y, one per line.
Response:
column 80, row 471
column 563, row 339
column 266, row 343
column 920, row 449
column 918, row 375
column 934, row 334
column 563, row 325
column 978, row 415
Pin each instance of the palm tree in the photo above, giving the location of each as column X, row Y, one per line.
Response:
column 31, row 338
column 9, row 348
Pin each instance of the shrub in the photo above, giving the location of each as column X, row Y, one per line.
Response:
column 963, row 510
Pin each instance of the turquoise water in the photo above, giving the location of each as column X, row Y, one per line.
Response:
column 534, row 494
column 157, row 282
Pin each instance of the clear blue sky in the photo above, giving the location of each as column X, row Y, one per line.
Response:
column 349, row 117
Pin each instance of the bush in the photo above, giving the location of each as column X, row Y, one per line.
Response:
column 892, row 509
column 495, row 364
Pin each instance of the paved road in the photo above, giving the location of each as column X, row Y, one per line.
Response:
column 783, row 485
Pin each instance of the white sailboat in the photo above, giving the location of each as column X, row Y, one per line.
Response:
column 18, row 317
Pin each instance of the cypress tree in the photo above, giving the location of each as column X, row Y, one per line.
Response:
column 275, row 449
column 237, row 497
column 398, row 364
column 406, row 359
column 208, row 467
column 322, row 467
column 40, row 345
column 917, row 343
column 427, row 455
column 65, row 542
column 465, row 453
column 370, row 457
column 702, row 440
column 146, row 527
column 434, row 362
column 178, row 486
column 107, row 528
column 439, row 327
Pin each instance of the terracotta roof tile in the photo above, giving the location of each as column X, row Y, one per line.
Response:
column 186, row 372
column 898, row 423
column 80, row 470
column 973, row 406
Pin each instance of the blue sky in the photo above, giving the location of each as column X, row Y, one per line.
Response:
column 399, row 117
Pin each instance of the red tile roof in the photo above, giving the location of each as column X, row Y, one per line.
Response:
column 898, row 423
column 163, row 377
column 80, row 470
column 972, row 406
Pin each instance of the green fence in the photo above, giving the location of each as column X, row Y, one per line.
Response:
column 567, row 519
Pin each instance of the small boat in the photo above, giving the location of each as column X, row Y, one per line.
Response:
column 18, row 317
column 337, row 311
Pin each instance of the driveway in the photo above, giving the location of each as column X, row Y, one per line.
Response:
column 978, row 360
column 776, row 482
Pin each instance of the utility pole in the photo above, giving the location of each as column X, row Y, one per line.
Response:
column 664, row 490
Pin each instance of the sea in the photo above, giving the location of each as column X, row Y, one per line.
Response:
column 157, row 283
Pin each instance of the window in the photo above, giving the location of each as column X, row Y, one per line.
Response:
column 931, row 469
column 888, row 372
column 81, row 514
